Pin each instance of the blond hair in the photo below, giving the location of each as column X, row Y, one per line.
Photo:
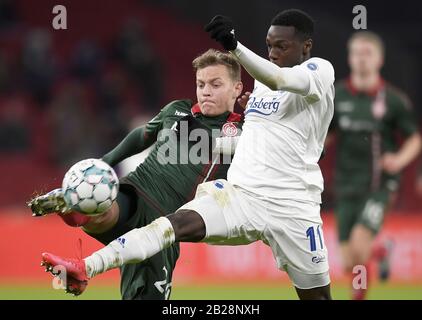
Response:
column 368, row 36
column 214, row 57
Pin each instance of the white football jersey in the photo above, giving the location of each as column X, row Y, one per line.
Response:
column 283, row 138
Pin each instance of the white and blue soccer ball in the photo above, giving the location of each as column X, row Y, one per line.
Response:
column 90, row 187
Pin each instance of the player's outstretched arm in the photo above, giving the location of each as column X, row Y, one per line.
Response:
column 137, row 140
column 290, row 79
column 132, row 144
column 293, row 79
column 395, row 162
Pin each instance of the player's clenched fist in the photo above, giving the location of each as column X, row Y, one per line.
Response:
column 221, row 29
column 243, row 99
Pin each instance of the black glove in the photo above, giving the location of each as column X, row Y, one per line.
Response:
column 221, row 29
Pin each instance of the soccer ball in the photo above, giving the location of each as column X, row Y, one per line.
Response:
column 90, row 187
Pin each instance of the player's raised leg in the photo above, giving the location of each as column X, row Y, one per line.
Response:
column 135, row 246
column 51, row 202
column 139, row 244
column 89, row 187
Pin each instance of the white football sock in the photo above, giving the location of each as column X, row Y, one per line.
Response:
column 132, row 247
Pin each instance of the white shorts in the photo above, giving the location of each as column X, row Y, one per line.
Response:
column 292, row 229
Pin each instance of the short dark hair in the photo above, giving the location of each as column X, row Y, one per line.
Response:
column 301, row 21
column 214, row 57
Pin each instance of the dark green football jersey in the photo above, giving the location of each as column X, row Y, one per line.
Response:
column 366, row 126
column 170, row 173
column 166, row 180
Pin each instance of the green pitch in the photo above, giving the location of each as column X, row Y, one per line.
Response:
column 212, row 292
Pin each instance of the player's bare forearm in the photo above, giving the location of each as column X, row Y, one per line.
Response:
column 410, row 149
column 102, row 223
column 395, row 162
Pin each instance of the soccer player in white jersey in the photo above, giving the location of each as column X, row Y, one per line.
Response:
column 274, row 185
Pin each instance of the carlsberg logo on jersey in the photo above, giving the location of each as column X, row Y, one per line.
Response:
column 262, row 106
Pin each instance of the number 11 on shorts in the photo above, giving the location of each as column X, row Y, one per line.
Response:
column 310, row 233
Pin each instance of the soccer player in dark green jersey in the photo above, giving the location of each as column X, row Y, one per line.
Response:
column 369, row 112
column 166, row 179
column 272, row 193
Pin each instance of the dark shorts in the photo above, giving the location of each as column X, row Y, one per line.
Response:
column 150, row 279
column 368, row 210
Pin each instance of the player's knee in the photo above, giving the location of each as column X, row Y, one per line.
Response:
column 346, row 258
column 360, row 249
column 348, row 262
column 359, row 254
column 104, row 222
column 348, row 267
column 188, row 225
column 324, row 295
column 321, row 293
column 75, row 219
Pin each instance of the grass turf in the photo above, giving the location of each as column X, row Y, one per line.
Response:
column 209, row 292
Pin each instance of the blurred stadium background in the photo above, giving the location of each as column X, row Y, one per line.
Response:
column 71, row 94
